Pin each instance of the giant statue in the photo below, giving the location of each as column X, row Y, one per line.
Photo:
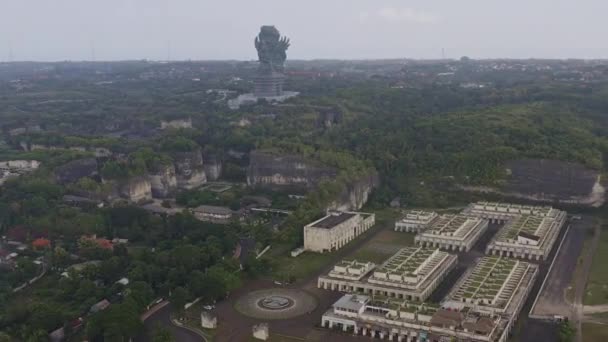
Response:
column 271, row 49
column 271, row 54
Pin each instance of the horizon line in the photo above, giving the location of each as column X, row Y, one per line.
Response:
column 165, row 61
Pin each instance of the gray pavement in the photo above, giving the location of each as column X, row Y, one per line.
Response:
column 552, row 300
column 162, row 318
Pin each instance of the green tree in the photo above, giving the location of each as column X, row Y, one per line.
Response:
column 179, row 298
column 60, row 257
column 162, row 335
column 566, row 332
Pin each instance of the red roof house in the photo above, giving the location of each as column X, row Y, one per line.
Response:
column 41, row 243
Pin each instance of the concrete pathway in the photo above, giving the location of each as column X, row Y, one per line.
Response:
column 593, row 309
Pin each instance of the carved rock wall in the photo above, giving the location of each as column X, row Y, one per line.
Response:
column 136, row 189
column 189, row 169
column 271, row 170
column 212, row 167
column 76, row 169
column 356, row 193
column 163, row 182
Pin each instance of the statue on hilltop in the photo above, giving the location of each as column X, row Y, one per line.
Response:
column 271, row 49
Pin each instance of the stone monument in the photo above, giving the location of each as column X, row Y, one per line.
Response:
column 271, row 49
column 208, row 320
column 269, row 79
column 261, row 332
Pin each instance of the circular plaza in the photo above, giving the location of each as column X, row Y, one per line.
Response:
column 276, row 303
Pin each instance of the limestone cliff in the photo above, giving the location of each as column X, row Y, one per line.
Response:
column 189, row 169
column 212, row 167
column 176, row 124
column 548, row 181
column 273, row 170
column 136, row 189
column 356, row 193
column 76, row 169
column 163, row 182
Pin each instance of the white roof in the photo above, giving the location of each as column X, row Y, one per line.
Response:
column 123, row 281
column 352, row 301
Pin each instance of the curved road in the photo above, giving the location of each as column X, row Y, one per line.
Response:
column 162, row 318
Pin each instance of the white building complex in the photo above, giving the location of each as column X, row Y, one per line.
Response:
column 528, row 236
column 335, row 230
column 483, row 306
column 453, row 232
column 401, row 321
column 413, row 273
column 498, row 212
column 415, row 221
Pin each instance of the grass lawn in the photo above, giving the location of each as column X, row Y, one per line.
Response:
column 394, row 238
column 597, row 286
column 601, row 316
column 369, row 254
column 382, row 246
column 594, row 332
column 307, row 263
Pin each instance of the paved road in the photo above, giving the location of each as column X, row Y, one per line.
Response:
column 552, row 300
column 162, row 318
column 581, row 283
column 530, row 329
column 594, row 309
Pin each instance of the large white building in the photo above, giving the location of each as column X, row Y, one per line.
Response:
column 412, row 273
column 453, row 232
column 402, row 321
column 495, row 285
column 501, row 212
column 528, row 236
column 415, row 221
column 482, row 306
column 335, row 230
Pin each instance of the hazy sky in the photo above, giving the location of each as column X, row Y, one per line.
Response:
column 224, row 29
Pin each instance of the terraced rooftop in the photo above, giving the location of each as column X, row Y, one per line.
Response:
column 410, row 265
column 492, row 282
column 403, row 305
column 351, row 269
column 530, row 224
column 452, row 225
column 511, row 208
column 418, row 215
